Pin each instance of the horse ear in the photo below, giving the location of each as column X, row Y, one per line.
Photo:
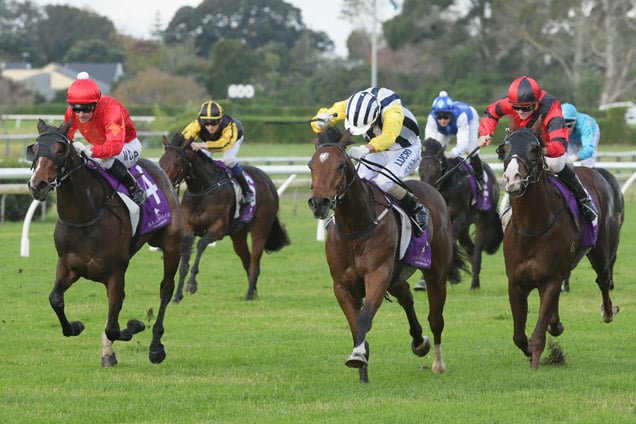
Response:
column 41, row 125
column 345, row 140
column 165, row 140
column 65, row 126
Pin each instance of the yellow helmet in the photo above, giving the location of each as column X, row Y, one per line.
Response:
column 211, row 110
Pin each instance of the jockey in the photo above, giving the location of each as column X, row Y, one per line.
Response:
column 450, row 118
column 105, row 123
column 220, row 133
column 527, row 103
column 392, row 140
column 584, row 135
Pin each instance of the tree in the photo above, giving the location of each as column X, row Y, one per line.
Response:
column 17, row 41
column 253, row 22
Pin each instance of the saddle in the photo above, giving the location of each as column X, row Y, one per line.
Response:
column 243, row 212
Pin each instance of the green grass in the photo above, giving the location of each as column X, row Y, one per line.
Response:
column 280, row 358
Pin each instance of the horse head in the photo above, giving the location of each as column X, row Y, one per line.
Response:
column 53, row 158
column 432, row 163
column 522, row 155
column 332, row 172
column 174, row 160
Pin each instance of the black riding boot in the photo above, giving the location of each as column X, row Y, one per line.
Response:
column 571, row 180
column 412, row 205
column 478, row 168
column 248, row 195
column 119, row 171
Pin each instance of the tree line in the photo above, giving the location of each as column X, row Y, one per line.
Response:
column 582, row 51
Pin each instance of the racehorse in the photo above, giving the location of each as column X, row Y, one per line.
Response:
column 453, row 182
column 543, row 241
column 95, row 238
column 363, row 249
column 209, row 207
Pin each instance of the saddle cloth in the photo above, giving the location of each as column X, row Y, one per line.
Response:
column 155, row 212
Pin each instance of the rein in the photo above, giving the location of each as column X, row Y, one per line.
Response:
column 186, row 174
column 66, row 170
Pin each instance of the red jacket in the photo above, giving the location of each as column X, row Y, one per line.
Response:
column 554, row 133
column 108, row 130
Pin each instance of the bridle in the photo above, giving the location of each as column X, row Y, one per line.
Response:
column 343, row 185
column 185, row 173
column 63, row 164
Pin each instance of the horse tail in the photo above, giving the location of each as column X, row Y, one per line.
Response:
column 277, row 237
column 494, row 232
column 459, row 263
column 619, row 200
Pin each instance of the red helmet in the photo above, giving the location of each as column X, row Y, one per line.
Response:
column 83, row 90
column 524, row 91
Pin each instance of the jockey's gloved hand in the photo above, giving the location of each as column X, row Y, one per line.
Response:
column 323, row 120
column 82, row 148
column 358, row 152
column 572, row 158
column 450, row 155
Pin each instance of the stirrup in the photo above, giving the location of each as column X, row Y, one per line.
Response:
column 588, row 209
column 137, row 195
column 248, row 197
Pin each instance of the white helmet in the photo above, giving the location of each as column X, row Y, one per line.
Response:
column 362, row 110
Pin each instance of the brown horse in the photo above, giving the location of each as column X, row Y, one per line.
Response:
column 363, row 249
column 94, row 235
column 543, row 242
column 453, row 182
column 209, row 207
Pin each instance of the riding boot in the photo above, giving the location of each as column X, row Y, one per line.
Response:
column 478, row 168
column 412, row 205
column 248, row 195
column 119, row 171
column 571, row 180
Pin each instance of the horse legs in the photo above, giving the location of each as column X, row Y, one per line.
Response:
column 157, row 352
column 63, row 280
column 186, row 251
column 518, row 298
column 436, row 299
column 419, row 344
column 604, row 280
column 351, row 307
column 250, row 261
column 202, row 244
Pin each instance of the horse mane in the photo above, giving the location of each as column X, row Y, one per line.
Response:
column 332, row 135
column 432, row 146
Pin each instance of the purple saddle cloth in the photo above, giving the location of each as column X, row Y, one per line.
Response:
column 246, row 213
column 155, row 213
column 418, row 253
column 482, row 199
column 589, row 232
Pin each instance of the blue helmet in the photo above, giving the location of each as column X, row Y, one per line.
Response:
column 569, row 112
column 443, row 103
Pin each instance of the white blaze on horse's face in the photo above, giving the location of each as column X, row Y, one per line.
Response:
column 323, row 157
column 511, row 177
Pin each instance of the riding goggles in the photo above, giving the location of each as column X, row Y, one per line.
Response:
column 86, row 108
column 443, row 115
column 212, row 122
column 570, row 124
column 526, row 108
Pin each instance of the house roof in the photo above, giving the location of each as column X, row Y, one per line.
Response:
column 55, row 77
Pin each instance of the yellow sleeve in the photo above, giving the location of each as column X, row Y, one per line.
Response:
column 337, row 108
column 392, row 121
column 192, row 130
column 228, row 137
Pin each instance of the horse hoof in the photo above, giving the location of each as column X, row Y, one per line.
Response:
column 109, row 361
column 420, row 286
column 607, row 318
column 422, row 349
column 556, row 330
column 157, row 356
column 75, row 329
column 135, row 326
column 191, row 288
column 356, row 360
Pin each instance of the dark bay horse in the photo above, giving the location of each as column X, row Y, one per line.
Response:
column 94, row 236
column 209, row 208
column 542, row 241
column 456, row 190
column 363, row 247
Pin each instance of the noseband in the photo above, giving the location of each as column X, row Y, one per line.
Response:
column 63, row 164
column 343, row 185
